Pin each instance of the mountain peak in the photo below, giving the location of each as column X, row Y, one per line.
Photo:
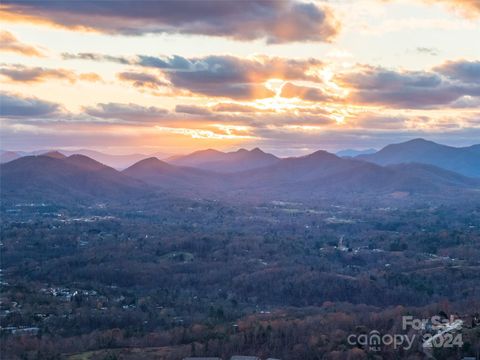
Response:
column 207, row 152
column 150, row 163
column 257, row 150
column 54, row 154
column 253, row 151
column 150, row 160
column 419, row 141
column 418, row 144
column 460, row 160
column 225, row 162
column 321, row 154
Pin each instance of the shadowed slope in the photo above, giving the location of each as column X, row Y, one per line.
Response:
column 46, row 178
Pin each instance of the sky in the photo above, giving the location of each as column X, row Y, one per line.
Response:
column 290, row 77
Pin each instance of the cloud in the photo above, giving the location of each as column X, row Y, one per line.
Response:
column 14, row 106
column 468, row 8
column 403, row 89
column 227, row 67
column 229, row 76
column 466, row 102
column 126, row 112
column 9, row 43
column 290, row 90
column 427, row 51
column 240, row 91
column 274, row 21
column 141, row 80
column 217, row 133
column 192, row 110
column 375, row 121
column 235, row 108
column 20, row 73
column 221, row 75
column 92, row 77
column 98, row 57
column 466, row 71
column 174, row 62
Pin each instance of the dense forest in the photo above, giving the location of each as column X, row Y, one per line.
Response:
column 167, row 278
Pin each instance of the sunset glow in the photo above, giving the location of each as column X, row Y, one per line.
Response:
column 64, row 71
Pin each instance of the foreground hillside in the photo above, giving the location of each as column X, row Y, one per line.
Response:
column 167, row 278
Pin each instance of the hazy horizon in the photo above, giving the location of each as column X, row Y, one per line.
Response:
column 298, row 152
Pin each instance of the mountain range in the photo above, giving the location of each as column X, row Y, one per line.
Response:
column 225, row 162
column 354, row 152
column 54, row 177
column 464, row 160
column 245, row 175
column 118, row 162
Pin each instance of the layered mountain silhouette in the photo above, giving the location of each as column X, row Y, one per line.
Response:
column 465, row 161
column 225, row 162
column 325, row 173
column 54, row 155
column 6, row 156
column 175, row 178
column 118, row 162
column 354, row 152
column 56, row 177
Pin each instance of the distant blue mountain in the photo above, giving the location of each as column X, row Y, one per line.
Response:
column 354, row 152
column 463, row 160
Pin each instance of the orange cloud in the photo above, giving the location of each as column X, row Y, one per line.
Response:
column 468, row 8
column 306, row 93
column 9, row 43
column 20, row 73
column 92, row 77
column 235, row 107
column 230, row 76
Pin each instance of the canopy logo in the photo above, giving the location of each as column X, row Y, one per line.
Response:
column 434, row 332
column 374, row 341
